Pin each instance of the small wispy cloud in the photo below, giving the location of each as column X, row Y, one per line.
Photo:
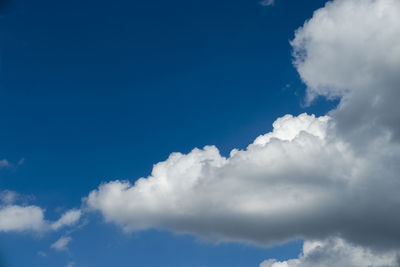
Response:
column 8, row 196
column 69, row 218
column 42, row 254
column 4, row 163
column 267, row 2
column 61, row 244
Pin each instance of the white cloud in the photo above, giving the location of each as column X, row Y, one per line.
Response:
column 62, row 243
column 336, row 252
column 267, row 2
column 71, row 264
column 8, row 196
column 299, row 181
column 351, row 49
column 18, row 218
column 21, row 218
column 4, row 163
column 310, row 178
column 69, row 218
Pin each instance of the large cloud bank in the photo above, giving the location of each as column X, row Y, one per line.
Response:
column 296, row 182
column 311, row 177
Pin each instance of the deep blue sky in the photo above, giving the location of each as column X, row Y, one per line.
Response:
column 92, row 91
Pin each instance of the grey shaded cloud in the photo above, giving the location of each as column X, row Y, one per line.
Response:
column 350, row 50
column 336, row 252
column 310, row 178
column 299, row 181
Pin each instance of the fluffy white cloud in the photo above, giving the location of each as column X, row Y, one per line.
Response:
column 62, row 243
column 351, row 49
column 336, row 252
column 21, row 218
column 311, row 178
column 17, row 218
column 298, row 181
column 69, row 218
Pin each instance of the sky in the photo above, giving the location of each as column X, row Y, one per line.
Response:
column 199, row 133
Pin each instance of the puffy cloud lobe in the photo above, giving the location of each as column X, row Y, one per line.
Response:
column 336, row 252
column 21, row 218
column 16, row 218
column 288, row 127
column 351, row 49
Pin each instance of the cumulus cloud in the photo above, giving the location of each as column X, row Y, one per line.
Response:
column 295, row 182
column 18, row 218
column 69, row 218
column 62, row 243
column 311, row 177
column 336, row 252
column 21, row 218
column 350, row 49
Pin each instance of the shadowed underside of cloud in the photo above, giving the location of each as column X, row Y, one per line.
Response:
column 310, row 178
column 299, row 181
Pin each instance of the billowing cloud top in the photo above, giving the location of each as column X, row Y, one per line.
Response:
column 311, row 177
column 331, row 180
column 296, row 182
column 351, row 49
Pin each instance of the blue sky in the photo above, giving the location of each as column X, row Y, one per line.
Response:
column 94, row 91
